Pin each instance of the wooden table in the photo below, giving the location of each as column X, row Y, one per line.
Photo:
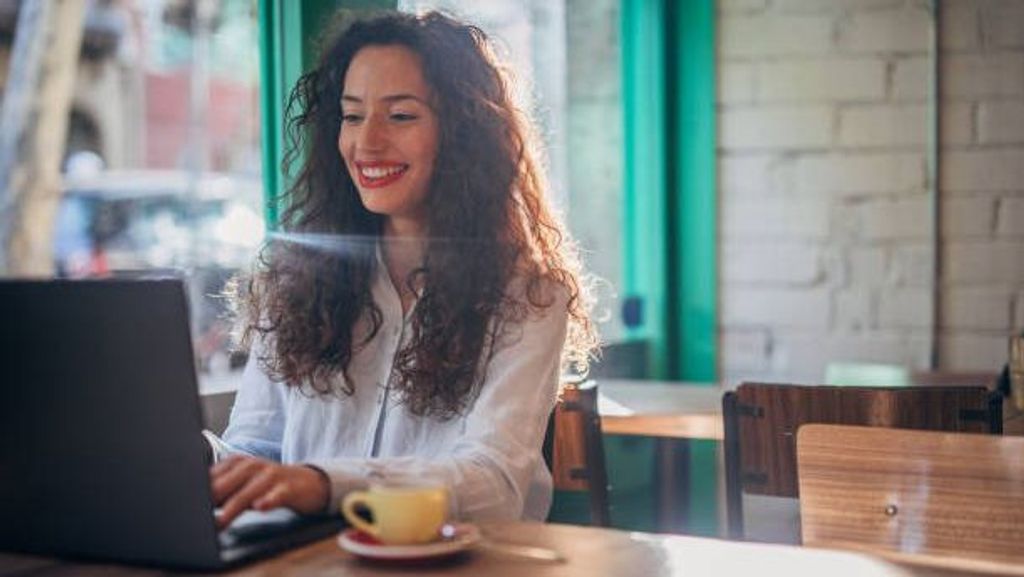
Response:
column 673, row 413
column 661, row 409
column 590, row 552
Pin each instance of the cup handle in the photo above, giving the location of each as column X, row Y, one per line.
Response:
column 348, row 509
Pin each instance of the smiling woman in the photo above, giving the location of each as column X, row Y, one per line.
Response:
column 426, row 338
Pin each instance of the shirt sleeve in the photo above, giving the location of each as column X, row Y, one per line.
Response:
column 257, row 420
column 491, row 467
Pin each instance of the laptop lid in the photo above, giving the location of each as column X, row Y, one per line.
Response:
column 100, row 447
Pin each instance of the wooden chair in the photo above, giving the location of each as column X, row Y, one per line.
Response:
column 761, row 421
column 915, row 495
column 574, row 450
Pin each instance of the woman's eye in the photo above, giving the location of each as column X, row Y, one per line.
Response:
column 351, row 118
column 403, row 116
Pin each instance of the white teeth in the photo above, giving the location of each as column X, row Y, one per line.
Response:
column 380, row 171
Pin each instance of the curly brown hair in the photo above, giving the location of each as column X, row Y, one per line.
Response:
column 486, row 201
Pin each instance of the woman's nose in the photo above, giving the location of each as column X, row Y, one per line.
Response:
column 372, row 136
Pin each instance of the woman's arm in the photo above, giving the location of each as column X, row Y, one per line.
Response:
column 257, row 418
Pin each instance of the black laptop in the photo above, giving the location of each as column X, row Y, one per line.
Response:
column 101, row 454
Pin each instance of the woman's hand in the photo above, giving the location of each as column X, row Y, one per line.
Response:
column 241, row 483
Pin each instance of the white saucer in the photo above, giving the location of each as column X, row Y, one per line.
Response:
column 363, row 545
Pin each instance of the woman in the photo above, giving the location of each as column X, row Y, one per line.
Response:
column 429, row 343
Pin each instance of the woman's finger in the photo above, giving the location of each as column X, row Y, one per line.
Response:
column 255, row 487
column 276, row 497
column 231, row 479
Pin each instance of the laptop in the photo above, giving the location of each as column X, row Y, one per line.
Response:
column 101, row 454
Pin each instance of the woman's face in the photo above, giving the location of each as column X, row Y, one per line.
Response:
column 389, row 134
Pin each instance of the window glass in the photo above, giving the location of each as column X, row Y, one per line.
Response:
column 161, row 172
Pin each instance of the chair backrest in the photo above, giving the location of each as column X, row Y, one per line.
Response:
column 912, row 492
column 761, row 421
column 574, row 449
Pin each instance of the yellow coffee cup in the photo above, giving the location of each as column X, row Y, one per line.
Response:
column 403, row 514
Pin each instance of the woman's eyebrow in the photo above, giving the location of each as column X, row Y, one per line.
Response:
column 391, row 98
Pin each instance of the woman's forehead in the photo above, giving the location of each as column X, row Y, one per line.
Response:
column 379, row 72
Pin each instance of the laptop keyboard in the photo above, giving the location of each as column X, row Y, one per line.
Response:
column 255, row 526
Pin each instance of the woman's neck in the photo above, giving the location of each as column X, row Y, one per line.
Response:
column 403, row 246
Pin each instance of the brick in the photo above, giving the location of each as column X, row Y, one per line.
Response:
column 883, row 125
column 1018, row 322
column 740, row 6
column 968, row 217
column 745, row 349
column 907, row 30
column 819, row 6
column 776, row 218
column 775, row 128
column 823, row 80
column 754, row 175
column 855, row 309
column 979, row 263
column 761, row 36
column 957, row 123
column 798, row 357
column 859, row 174
column 980, row 75
column 959, row 23
column 1003, row 24
column 868, row 265
column 776, row 307
column 967, row 351
column 911, row 79
column 736, row 82
column 806, row 355
column 905, row 218
column 1010, row 219
column 911, row 265
column 976, row 308
column 769, row 263
column 983, row 170
column 906, row 308
column 1001, row 122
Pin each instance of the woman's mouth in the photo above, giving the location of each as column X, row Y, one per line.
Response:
column 379, row 174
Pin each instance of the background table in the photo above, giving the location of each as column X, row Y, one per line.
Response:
column 673, row 413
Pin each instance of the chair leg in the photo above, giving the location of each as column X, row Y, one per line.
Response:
column 733, row 486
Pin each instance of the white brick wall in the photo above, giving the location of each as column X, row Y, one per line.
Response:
column 968, row 217
column 1011, row 218
column 775, row 307
column 801, row 127
column 861, row 173
column 755, row 37
column 907, row 308
column 1018, row 306
column 856, row 80
column 974, row 75
column 984, row 263
column 901, row 219
column 1001, row 122
column 824, row 127
column 982, row 308
column 884, row 125
column 771, row 263
column 986, row 169
column 906, row 30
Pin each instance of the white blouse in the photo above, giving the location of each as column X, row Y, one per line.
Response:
column 489, row 458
